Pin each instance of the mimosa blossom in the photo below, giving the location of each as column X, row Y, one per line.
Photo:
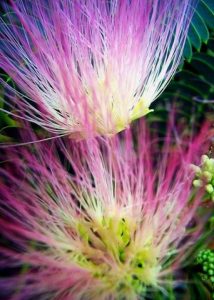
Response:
column 106, row 219
column 91, row 67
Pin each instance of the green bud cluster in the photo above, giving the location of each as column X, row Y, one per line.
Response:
column 204, row 175
column 206, row 259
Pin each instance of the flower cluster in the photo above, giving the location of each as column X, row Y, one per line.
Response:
column 91, row 67
column 108, row 219
column 106, row 216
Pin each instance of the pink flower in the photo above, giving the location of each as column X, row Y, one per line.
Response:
column 104, row 219
column 91, row 67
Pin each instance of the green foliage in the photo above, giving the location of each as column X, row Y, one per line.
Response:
column 192, row 88
column 202, row 23
column 196, row 80
column 6, row 121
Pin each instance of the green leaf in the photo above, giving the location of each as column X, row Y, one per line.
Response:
column 206, row 10
column 202, row 21
column 204, row 64
column 188, row 50
column 200, row 27
column 194, row 37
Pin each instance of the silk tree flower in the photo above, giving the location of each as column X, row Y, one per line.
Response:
column 91, row 66
column 99, row 219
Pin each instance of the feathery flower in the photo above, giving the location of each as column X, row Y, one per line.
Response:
column 91, row 66
column 113, row 219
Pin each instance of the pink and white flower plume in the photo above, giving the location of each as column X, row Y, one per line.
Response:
column 106, row 219
column 91, row 66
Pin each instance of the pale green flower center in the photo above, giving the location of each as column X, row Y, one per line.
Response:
column 113, row 252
